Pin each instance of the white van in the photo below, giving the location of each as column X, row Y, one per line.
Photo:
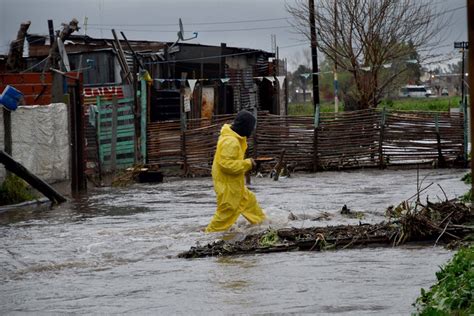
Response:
column 414, row 91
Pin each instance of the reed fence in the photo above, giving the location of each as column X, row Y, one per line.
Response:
column 356, row 139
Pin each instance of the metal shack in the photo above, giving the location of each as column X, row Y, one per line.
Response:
column 217, row 79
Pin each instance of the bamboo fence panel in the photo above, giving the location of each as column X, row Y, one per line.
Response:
column 200, row 148
column 295, row 135
column 348, row 140
column 413, row 137
column 366, row 138
column 164, row 143
column 200, row 141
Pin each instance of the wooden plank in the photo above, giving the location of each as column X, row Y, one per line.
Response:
column 18, row 169
column 113, row 145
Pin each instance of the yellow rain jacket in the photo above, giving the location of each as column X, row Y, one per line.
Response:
column 228, row 173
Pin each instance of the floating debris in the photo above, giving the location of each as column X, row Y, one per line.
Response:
column 347, row 212
column 439, row 222
column 137, row 173
column 302, row 217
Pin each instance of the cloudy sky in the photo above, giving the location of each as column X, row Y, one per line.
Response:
column 242, row 23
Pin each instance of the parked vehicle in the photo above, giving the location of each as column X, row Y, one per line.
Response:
column 444, row 92
column 415, row 91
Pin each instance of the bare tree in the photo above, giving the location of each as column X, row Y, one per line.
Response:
column 371, row 39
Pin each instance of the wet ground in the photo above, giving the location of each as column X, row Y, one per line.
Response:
column 114, row 251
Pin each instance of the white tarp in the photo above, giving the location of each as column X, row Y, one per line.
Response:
column 40, row 138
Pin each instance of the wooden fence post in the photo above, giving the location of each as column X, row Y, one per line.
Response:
column 98, row 130
column 113, row 141
column 255, row 138
column 78, row 177
column 441, row 161
column 381, row 138
column 143, row 121
column 183, row 124
column 7, row 129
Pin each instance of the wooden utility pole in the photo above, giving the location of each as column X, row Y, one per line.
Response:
column 470, row 31
column 314, row 55
column 336, row 83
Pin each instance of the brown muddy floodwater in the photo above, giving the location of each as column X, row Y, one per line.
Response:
column 114, row 251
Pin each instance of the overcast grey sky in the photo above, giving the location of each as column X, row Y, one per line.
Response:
column 158, row 20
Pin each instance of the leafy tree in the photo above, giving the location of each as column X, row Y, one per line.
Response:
column 300, row 81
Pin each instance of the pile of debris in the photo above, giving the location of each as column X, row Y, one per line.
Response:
column 138, row 173
column 445, row 222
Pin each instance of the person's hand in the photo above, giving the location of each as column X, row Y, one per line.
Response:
column 254, row 164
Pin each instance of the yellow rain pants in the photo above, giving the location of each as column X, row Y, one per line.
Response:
column 228, row 173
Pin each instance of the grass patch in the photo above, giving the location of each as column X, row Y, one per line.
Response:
column 453, row 294
column 421, row 104
column 14, row 190
column 402, row 104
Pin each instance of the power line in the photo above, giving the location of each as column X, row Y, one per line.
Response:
column 448, row 11
column 199, row 31
column 35, row 65
column 196, row 23
column 202, row 58
column 295, row 45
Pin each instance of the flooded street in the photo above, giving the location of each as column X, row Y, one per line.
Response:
column 114, row 251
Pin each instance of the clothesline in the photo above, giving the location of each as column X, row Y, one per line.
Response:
column 192, row 82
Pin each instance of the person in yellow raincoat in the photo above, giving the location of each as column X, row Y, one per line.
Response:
column 228, row 174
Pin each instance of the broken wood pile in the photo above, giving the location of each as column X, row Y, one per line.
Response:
column 435, row 222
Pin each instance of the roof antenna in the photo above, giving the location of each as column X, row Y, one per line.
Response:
column 181, row 34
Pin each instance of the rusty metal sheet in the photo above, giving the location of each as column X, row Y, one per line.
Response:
column 106, row 92
column 207, row 108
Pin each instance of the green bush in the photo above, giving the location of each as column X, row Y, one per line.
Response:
column 453, row 294
column 14, row 190
column 467, row 178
